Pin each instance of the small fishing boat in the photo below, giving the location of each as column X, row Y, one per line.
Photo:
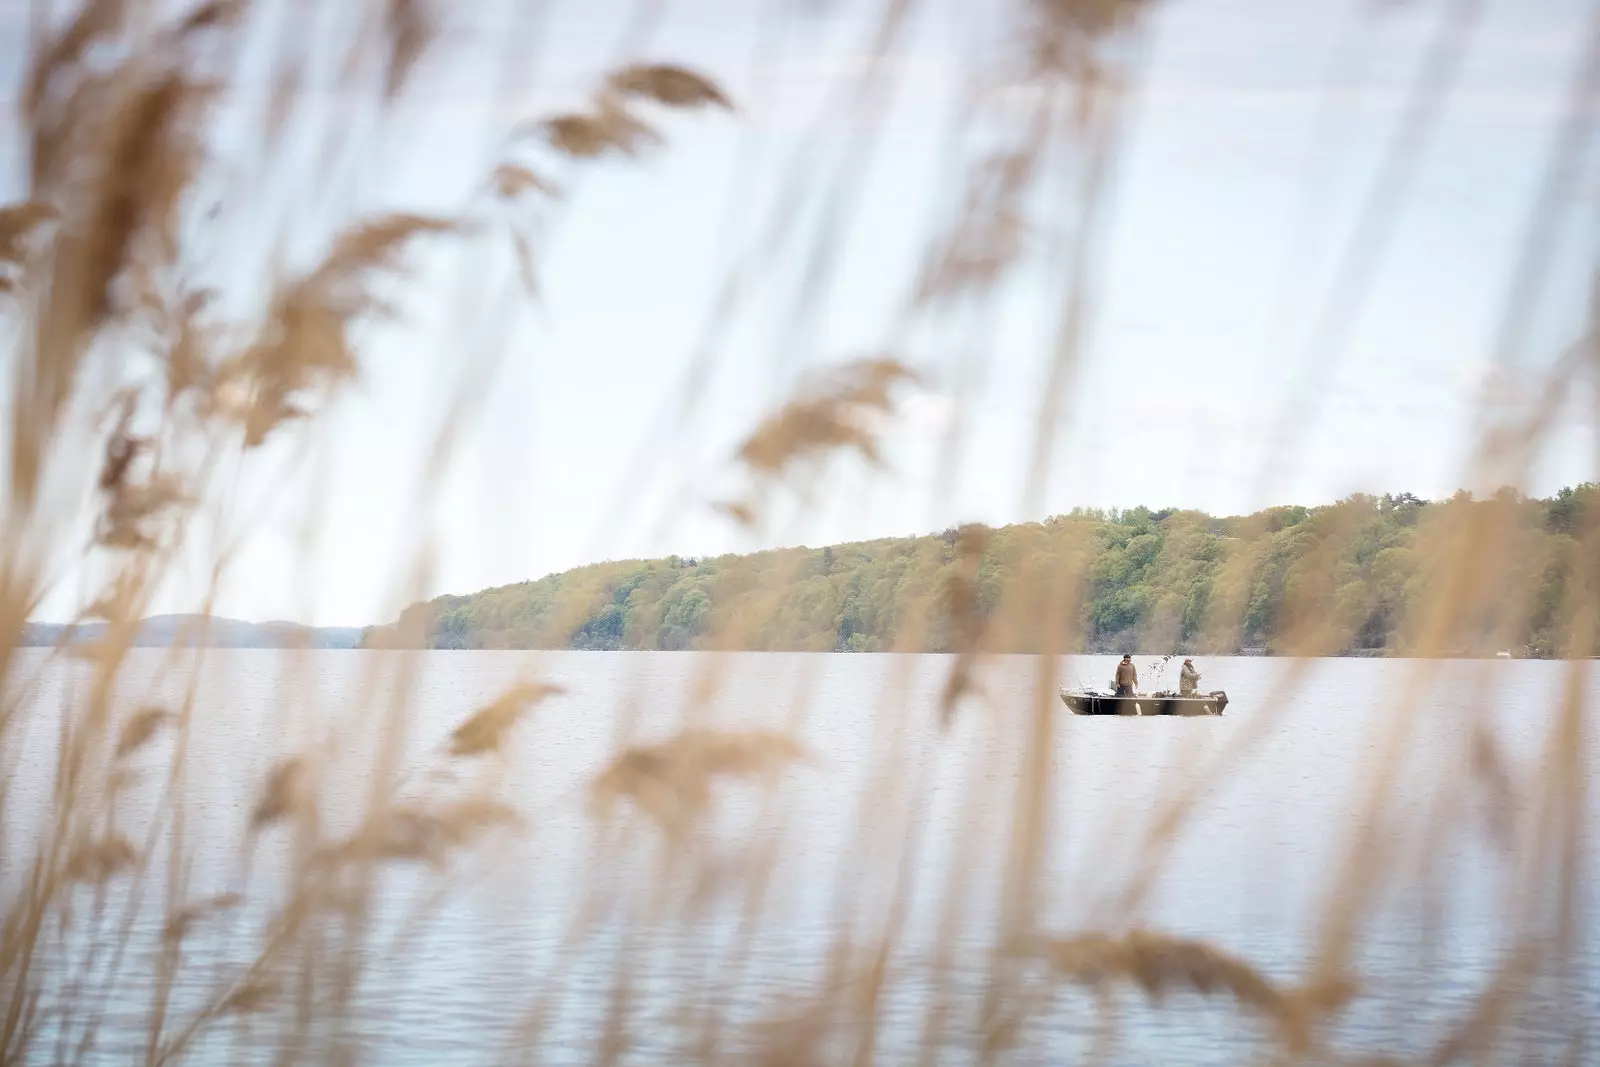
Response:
column 1086, row 701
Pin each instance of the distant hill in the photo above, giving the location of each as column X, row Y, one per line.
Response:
column 199, row 631
column 1139, row 580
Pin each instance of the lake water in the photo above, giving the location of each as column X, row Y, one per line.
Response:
column 889, row 797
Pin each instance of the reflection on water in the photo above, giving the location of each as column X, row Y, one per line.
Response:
column 1250, row 871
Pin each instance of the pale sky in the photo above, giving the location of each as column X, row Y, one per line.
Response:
column 1253, row 146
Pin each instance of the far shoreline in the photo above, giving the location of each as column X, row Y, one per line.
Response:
column 82, row 649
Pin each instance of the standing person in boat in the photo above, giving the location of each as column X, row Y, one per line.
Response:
column 1127, row 677
column 1188, row 679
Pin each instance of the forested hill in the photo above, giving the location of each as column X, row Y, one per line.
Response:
column 1349, row 578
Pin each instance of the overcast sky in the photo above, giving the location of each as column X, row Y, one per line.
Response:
column 1254, row 142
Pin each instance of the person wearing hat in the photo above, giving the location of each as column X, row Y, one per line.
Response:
column 1127, row 677
column 1188, row 679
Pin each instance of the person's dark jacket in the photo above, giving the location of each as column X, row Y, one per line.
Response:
column 1127, row 675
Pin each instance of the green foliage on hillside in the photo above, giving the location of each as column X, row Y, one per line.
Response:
column 1352, row 577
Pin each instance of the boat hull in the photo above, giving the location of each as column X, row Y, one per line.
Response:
column 1161, row 704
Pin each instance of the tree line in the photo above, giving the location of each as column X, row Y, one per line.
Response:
column 1368, row 575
